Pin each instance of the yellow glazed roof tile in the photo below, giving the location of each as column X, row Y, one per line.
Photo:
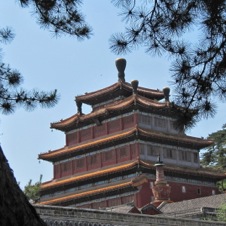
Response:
column 87, row 193
column 88, row 175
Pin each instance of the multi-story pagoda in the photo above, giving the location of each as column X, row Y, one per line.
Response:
column 110, row 153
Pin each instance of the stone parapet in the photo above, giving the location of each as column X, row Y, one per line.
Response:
column 68, row 216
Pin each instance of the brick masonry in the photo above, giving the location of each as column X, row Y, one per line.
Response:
column 67, row 216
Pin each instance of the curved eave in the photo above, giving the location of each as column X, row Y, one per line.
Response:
column 86, row 176
column 88, row 193
column 209, row 174
column 53, row 155
column 64, row 122
column 132, row 134
column 117, row 89
column 200, row 172
column 180, row 170
column 181, row 140
column 135, row 101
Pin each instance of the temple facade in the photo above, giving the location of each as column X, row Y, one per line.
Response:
column 110, row 154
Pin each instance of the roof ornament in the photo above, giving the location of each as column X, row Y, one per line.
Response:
column 161, row 189
column 79, row 107
column 134, row 84
column 159, row 159
column 121, row 65
column 166, row 92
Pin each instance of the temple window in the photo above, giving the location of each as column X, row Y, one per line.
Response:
column 133, row 150
column 142, row 149
column 172, row 126
column 151, row 184
column 169, row 153
column 196, row 157
column 185, row 156
column 152, row 151
column 107, row 155
column 80, row 163
column 160, row 122
column 145, row 119
column 122, row 151
column 183, row 189
column 93, row 159
column 65, row 167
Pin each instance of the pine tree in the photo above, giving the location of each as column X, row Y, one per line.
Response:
column 58, row 16
column 198, row 65
column 62, row 17
column 215, row 155
column 32, row 190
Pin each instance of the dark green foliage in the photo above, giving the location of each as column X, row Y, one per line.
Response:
column 32, row 190
column 60, row 16
column 11, row 93
column 221, row 213
column 215, row 155
column 199, row 62
column 15, row 209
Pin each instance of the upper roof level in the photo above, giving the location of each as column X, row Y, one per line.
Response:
column 119, row 98
column 118, row 90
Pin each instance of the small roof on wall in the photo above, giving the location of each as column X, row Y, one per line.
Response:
column 192, row 206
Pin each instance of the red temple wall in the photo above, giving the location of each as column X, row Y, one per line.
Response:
column 96, row 161
column 143, row 196
column 191, row 191
column 95, row 131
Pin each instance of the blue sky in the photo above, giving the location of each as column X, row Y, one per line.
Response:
column 72, row 67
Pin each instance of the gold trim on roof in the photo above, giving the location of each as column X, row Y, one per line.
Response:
column 119, row 85
column 88, row 175
column 200, row 143
column 129, row 101
column 87, row 144
column 189, row 139
column 87, row 193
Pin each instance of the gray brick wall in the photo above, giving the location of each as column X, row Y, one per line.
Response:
column 67, row 216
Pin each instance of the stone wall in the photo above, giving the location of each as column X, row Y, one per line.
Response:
column 67, row 216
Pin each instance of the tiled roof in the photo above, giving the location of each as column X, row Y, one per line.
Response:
column 81, row 194
column 99, row 94
column 126, row 166
column 121, row 104
column 191, row 141
column 150, row 135
column 214, row 201
column 65, row 150
column 126, row 208
column 85, row 176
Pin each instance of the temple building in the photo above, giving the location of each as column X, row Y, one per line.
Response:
column 109, row 157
